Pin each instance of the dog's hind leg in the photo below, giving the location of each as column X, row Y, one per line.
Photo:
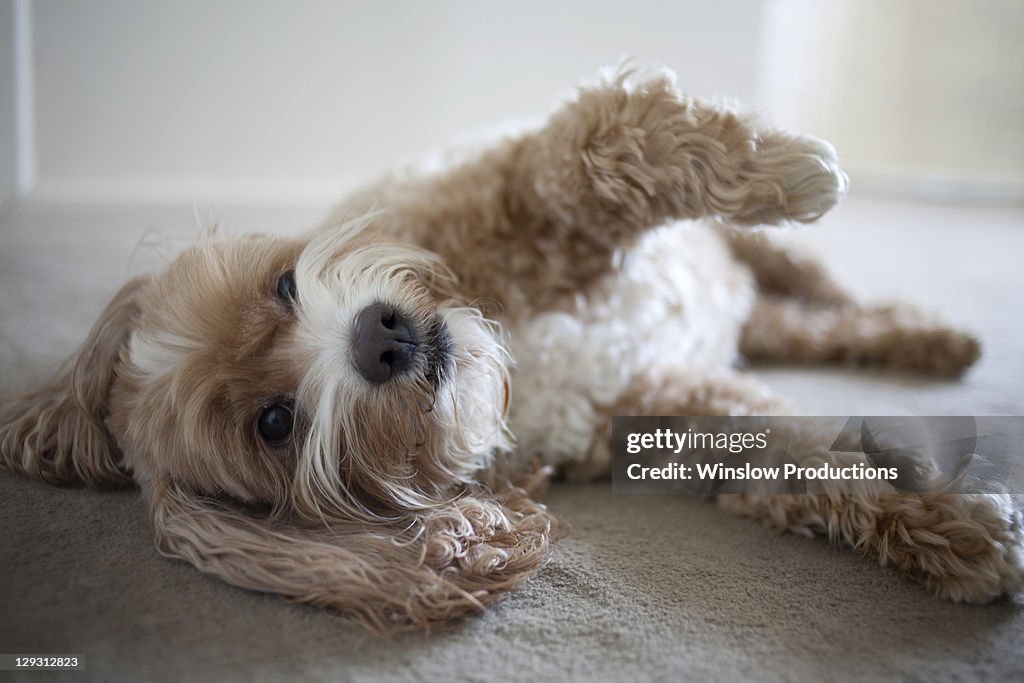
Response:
column 782, row 267
column 962, row 547
column 802, row 315
column 787, row 329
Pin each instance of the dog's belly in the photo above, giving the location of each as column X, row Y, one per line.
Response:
column 679, row 299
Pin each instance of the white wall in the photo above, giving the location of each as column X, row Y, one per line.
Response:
column 940, row 92
column 263, row 99
column 8, row 146
column 270, row 100
column 926, row 96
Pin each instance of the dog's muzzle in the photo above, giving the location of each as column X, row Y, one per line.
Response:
column 387, row 343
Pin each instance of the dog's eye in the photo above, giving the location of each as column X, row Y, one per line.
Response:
column 287, row 289
column 275, row 423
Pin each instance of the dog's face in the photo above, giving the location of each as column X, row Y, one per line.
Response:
column 332, row 374
column 306, row 417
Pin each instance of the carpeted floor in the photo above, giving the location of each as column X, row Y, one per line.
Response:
column 645, row 587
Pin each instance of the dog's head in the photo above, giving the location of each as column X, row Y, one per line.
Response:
column 308, row 416
column 335, row 374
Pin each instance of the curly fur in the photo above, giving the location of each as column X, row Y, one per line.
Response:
column 572, row 292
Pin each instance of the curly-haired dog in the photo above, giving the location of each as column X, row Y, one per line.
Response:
column 337, row 417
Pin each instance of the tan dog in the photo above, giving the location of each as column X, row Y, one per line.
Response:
column 337, row 417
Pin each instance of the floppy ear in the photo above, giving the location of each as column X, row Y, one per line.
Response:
column 444, row 564
column 57, row 433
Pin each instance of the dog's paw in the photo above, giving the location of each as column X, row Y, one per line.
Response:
column 962, row 547
column 940, row 351
column 791, row 177
column 900, row 336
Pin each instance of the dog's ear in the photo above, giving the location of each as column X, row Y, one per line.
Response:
column 449, row 562
column 57, row 433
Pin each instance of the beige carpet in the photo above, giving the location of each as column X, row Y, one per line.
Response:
column 645, row 587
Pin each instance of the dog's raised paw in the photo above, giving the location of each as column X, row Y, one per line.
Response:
column 791, row 177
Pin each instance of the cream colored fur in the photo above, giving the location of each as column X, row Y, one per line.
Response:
column 603, row 264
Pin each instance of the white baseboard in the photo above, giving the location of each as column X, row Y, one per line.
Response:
column 935, row 187
column 259, row 191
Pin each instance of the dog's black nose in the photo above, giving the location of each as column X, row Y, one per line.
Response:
column 384, row 342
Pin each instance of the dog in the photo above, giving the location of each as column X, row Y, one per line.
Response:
column 362, row 417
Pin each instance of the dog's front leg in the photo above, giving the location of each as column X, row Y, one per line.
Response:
column 543, row 215
column 633, row 153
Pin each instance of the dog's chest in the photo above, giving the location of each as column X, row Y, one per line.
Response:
column 678, row 299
